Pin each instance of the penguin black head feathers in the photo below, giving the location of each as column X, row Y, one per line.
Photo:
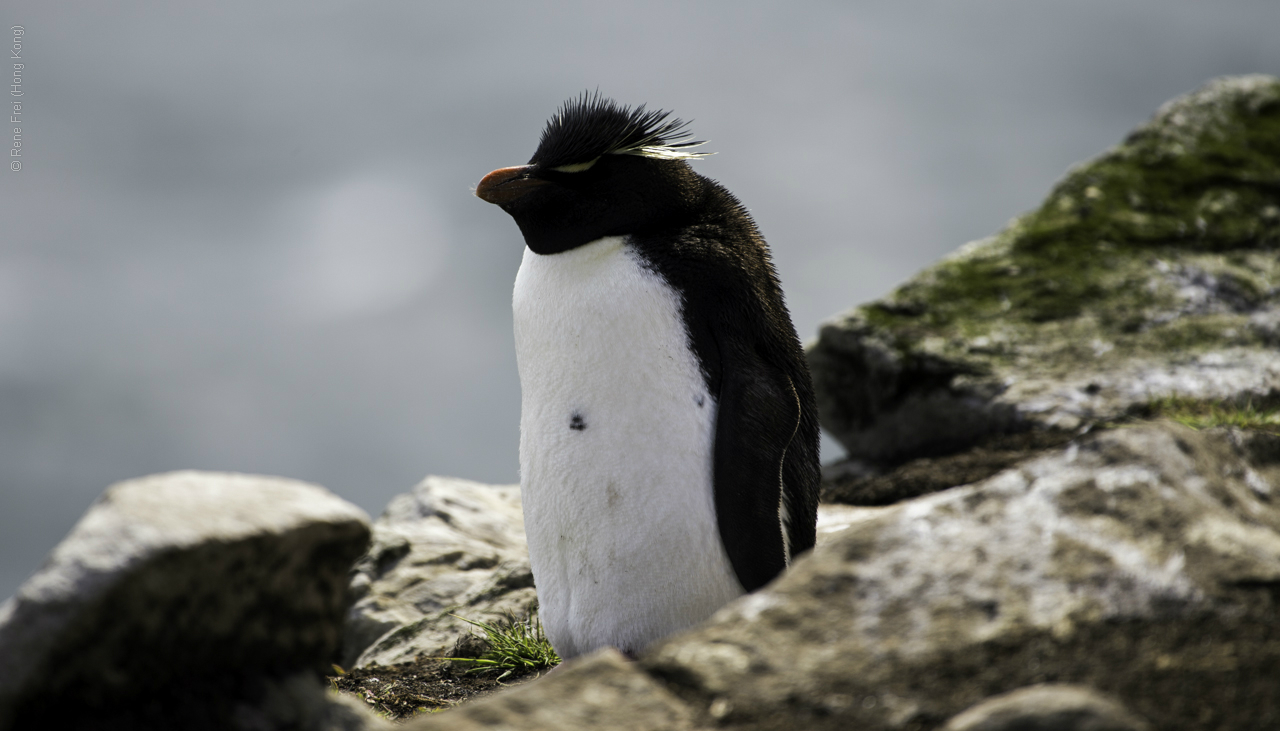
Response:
column 591, row 126
column 601, row 169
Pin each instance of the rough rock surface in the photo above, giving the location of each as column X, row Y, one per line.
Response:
column 1048, row 708
column 186, row 600
column 448, row 547
column 1149, row 270
column 1143, row 560
column 600, row 691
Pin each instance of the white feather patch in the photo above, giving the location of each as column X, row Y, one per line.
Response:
column 616, row 452
column 665, row 152
column 576, row 167
column 784, row 514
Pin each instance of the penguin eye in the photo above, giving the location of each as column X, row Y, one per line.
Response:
column 576, row 167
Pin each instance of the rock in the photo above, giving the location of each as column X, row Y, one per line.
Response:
column 599, row 691
column 1048, row 708
column 448, row 547
column 1149, row 270
column 1142, row 560
column 298, row 703
column 855, row 482
column 186, row 600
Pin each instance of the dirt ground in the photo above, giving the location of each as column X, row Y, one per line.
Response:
column 425, row 686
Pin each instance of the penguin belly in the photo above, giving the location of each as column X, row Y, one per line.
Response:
column 617, row 431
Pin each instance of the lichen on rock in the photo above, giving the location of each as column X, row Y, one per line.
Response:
column 1149, row 270
column 1143, row 561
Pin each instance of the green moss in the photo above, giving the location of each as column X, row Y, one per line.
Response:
column 1163, row 249
column 1261, row 414
column 1202, row 178
column 1207, row 186
column 1189, row 335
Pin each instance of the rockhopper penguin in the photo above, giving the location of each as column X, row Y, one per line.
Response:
column 668, row 432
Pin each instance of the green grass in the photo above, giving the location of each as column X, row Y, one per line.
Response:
column 1206, row 413
column 515, row 645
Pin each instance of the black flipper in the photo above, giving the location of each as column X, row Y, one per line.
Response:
column 758, row 419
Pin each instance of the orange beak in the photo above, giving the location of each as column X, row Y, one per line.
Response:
column 506, row 184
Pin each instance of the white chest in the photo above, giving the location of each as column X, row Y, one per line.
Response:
column 616, row 443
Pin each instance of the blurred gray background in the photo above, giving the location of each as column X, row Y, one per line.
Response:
column 243, row 237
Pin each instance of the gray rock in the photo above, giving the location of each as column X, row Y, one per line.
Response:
column 1142, row 560
column 449, row 547
column 179, row 598
column 1048, row 708
column 1151, row 270
column 599, row 691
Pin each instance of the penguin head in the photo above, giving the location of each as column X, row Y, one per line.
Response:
column 600, row 169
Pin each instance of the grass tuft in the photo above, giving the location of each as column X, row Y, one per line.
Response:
column 515, row 645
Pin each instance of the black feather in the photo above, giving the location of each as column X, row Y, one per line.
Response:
column 592, row 125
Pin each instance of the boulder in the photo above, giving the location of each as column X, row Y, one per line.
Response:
column 450, row 548
column 1150, row 270
column 1142, row 560
column 186, row 600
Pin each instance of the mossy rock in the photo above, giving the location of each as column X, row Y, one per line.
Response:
column 1148, row 271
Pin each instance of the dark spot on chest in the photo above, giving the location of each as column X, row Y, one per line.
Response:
column 699, row 399
column 577, row 423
